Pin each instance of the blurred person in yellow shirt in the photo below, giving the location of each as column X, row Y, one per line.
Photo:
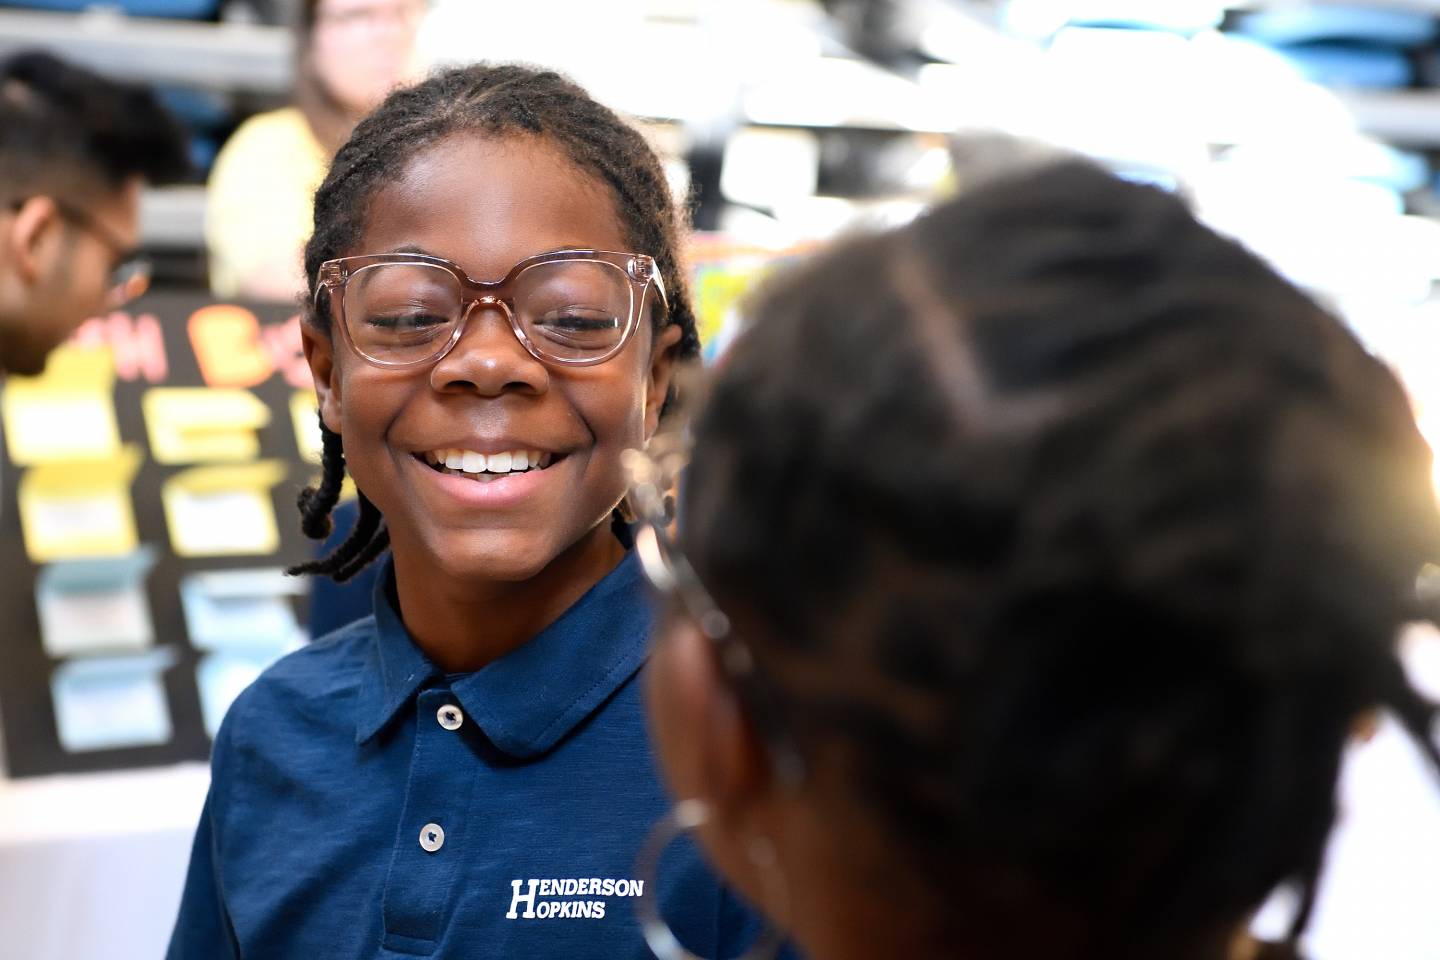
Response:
column 75, row 150
column 350, row 54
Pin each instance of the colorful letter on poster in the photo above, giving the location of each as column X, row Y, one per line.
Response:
column 234, row 350
column 226, row 340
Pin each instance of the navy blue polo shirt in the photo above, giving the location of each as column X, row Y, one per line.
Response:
column 364, row 804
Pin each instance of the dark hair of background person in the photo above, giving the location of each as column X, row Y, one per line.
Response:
column 1082, row 540
column 493, row 101
column 68, row 133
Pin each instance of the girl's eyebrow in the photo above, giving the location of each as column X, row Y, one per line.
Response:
column 414, row 248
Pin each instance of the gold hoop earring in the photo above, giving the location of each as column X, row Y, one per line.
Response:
column 682, row 818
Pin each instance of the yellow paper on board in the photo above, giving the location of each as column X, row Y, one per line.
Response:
column 80, row 508
column 224, row 510
column 203, row 424
column 67, row 413
column 306, row 424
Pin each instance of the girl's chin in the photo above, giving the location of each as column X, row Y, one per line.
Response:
column 498, row 563
column 514, row 556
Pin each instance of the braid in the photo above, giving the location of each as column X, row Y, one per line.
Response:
column 1088, row 584
column 317, row 502
column 366, row 541
column 379, row 541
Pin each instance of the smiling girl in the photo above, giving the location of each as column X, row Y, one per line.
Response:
column 498, row 306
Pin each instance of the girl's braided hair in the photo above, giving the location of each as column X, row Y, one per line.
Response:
column 1082, row 539
column 490, row 100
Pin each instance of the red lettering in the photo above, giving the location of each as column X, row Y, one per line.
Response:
column 137, row 343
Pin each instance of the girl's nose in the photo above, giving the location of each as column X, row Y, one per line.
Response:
column 489, row 358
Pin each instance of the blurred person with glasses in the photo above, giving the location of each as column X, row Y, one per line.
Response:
column 75, row 150
column 1036, row 563
column 349, row 54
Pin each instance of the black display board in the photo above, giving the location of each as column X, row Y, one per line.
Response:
column 170, row 339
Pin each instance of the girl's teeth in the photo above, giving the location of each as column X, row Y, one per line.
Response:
column 476, row 465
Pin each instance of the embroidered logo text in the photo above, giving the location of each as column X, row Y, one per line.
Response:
column 560, row 899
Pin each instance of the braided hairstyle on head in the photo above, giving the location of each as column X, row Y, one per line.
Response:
column 493, row 101
column 1074, row 554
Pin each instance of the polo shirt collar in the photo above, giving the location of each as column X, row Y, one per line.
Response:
column 396, row 668
column 528, row 700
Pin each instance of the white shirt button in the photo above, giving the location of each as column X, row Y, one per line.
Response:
column 450, row 717
column 432, row 837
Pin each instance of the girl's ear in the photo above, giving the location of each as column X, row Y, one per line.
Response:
column 662, row 371
column 320, row 354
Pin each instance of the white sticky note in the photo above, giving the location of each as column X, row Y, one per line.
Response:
column 223, row 511
column 87, row 606
column 241, row 609
column 67, row 413
column 221, row 677
column 106, row 703
column 79, row 509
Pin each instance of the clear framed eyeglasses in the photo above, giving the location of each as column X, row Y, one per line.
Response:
column 654, row 476
column 569, row 308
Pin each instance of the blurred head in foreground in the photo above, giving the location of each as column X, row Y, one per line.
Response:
column 1056, row 545
column 75, row 149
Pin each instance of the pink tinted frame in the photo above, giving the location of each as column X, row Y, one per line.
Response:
column 640, row 269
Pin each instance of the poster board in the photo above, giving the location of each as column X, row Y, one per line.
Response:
column 147, row 503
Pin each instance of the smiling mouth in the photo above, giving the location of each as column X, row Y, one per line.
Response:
column 486, row 468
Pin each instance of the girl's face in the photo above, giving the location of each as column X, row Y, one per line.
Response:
column 487, row 204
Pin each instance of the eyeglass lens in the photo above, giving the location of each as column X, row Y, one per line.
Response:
column 409, row 312
column 129, row 281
